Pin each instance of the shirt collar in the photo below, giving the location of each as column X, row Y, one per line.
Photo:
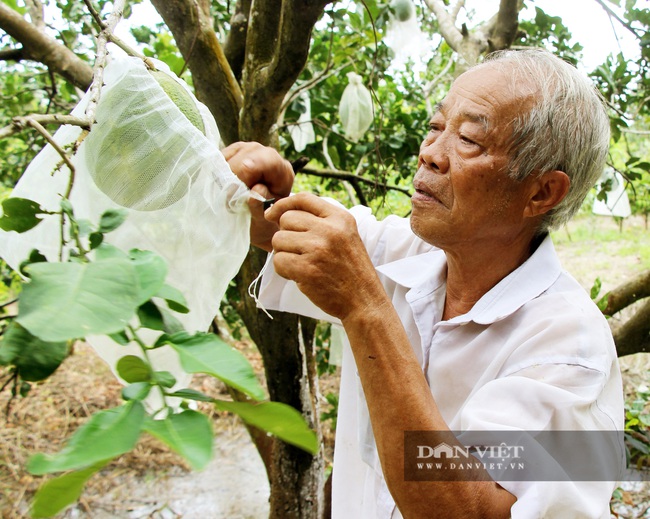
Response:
column 427, row 272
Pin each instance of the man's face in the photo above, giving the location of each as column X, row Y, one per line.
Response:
column 463, row 192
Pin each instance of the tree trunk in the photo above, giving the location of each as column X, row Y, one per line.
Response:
column 266, row 53
column 285, row 343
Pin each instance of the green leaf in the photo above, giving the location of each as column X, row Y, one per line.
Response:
column 34, row 358
column 136, row 391
column 95, row 240
column 54, row 495
column 133, row 369
column 108, row 251
column 20, row 214
column 192, row 394
column 595, row 289
column 71, row 300
column 164, row 378
column 120, row 337
column 151, row 270
column 66, row 207
column 188, row 433
column 174, row 298
column 151, row 317
column 112, row 219
column 106, row 435
column 207, row 353
column 276, row 418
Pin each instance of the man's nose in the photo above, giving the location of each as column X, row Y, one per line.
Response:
column 434, row 153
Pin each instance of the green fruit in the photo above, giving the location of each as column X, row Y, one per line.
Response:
column 133, row 154
column 181, row 98
column 404, row 9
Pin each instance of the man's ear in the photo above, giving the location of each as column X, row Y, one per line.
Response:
column 548, row 190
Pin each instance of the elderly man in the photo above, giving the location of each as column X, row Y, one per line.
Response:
column 459, row 318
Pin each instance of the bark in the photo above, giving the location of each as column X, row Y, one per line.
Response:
column 266, row 51
column 39, row 46
column 296, row 477
column 626, row 294
column 503, row 30
column 214, row 82
column 634, row 335
column 498, row 33
column 277, row 46
column 235, row 45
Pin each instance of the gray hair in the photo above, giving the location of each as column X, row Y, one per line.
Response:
column 567, row 128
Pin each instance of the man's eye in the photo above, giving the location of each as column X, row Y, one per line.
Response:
column 467, row 140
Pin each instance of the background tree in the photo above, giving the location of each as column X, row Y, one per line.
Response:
column 249, row 62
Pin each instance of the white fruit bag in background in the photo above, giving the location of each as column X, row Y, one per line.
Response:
column 355, row 108
column 183, row 201
column 404, row 35
column 302, row 133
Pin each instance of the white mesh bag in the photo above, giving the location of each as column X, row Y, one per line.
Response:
column 183, row 201
column 355, row 108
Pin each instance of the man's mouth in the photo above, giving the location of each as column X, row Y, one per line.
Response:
column 424, row 194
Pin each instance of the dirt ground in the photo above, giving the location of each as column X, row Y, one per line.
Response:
column 152, row 482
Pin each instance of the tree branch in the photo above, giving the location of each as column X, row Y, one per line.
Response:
column 504, row 30
column 19, row 123
column 270, row 69
column 235, row 45
column 344, row 175
column 39, row 46
column 612, row 14
column 12, row 54
column 626, row 294
column 634, row 335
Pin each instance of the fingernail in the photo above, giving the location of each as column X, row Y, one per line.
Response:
column 248, row 163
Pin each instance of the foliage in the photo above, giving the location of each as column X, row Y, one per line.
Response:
column 637, row 428
column 101, row 290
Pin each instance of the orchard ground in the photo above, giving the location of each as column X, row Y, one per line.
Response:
column 152, row 482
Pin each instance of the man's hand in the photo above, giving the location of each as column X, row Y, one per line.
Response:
column 318, row 246
column 264, row 171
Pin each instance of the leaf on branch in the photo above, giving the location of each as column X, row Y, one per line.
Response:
column 34, row 358
column 188, row 433
column 174, row 297
column 133, row 369
column 192, row 394
column 112, row 219
column 19, row 214
column 136, row 391
column 106, row 435
column 62, row 491
column 209, row 354
column 70, row 300
column 151, row 270
column 279, row 419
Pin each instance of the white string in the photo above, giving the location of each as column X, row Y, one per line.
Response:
column 253, row 288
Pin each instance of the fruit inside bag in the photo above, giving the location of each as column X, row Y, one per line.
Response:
column 183, row 201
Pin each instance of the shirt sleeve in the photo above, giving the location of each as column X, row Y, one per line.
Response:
column 565, row 399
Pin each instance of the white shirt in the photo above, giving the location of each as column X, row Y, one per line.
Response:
column 534, row 353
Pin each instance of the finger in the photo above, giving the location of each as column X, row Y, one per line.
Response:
column 257, row 206
column 257, row 164
column 290, row 242
column 298, row 221
column 300, row 202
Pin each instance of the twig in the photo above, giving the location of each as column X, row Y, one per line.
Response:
column 31, row 121
column 344, row 175
column 19, row 123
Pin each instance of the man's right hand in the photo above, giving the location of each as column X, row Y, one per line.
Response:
column 264, row 171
